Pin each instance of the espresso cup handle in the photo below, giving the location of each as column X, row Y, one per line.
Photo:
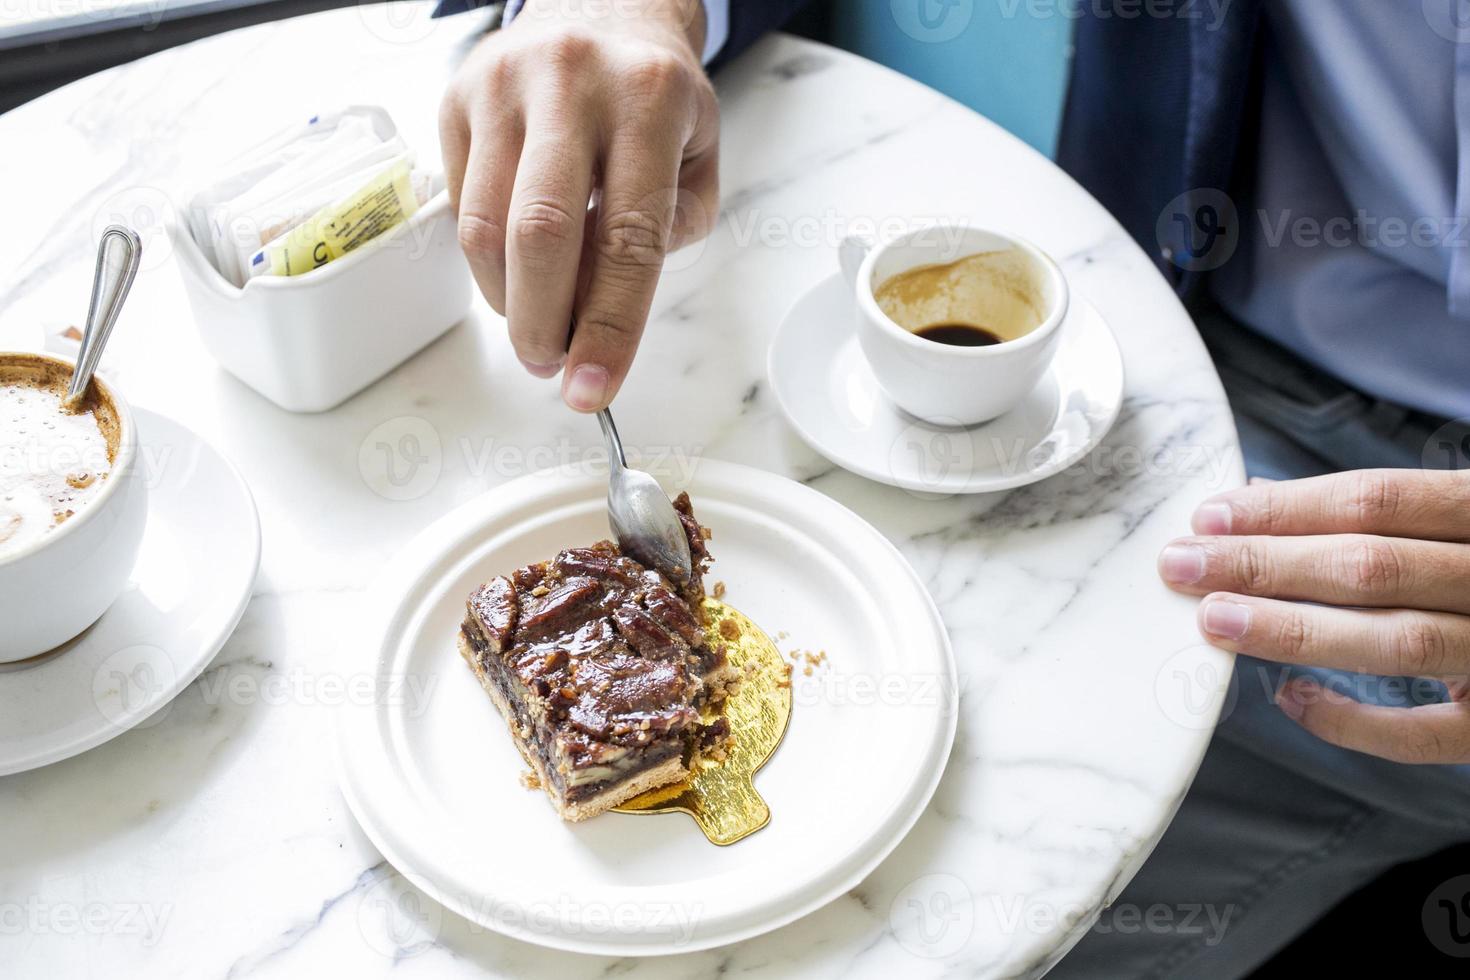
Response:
column 851, row 253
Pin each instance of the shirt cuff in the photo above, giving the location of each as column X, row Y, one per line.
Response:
column 716, row 28
column 716, row 24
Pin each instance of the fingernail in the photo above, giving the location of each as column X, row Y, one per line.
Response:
column 1182, row 564
column 1225, row 619
column 1212, row 517
column 586, row 389
column 541, row 370
column 1293, row 696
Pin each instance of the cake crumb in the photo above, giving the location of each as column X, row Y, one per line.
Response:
column 530, row 780
column 730, row 630
column 719, row 592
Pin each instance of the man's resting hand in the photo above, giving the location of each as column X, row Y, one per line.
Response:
column 1366, row 571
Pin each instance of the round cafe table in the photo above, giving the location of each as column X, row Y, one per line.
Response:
column 213, row 841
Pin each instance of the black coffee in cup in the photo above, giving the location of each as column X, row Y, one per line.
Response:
column 959, row 335
column 977, row 301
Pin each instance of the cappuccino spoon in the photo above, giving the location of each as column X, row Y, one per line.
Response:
column 118, row 255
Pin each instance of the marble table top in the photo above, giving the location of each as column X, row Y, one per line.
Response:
column 214, row 842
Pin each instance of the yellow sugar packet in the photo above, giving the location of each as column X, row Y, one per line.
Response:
column 382, row 203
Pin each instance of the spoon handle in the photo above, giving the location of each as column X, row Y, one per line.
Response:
column 614, row 443
column 118, row 255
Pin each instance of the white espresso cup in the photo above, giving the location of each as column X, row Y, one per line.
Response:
column 1012, row 288
column 60, row 583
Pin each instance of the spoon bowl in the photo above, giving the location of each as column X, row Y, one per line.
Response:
column 642, row 517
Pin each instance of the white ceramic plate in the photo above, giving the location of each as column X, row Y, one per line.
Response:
column 193, row 579
column 829, row 394
column 433, row 778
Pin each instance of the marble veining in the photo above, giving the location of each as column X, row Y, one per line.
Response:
column 213, row 841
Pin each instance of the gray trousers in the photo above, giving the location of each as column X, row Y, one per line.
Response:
column 1279, row 826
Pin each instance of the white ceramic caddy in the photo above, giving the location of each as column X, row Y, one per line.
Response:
column 63, row 581
column 428, row 768
column 311, row 341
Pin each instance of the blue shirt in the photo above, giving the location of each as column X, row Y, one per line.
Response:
column 1355, row 241
column 716, row 20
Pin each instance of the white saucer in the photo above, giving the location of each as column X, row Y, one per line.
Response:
column 192, row 582
column 430, row 772
column 829, row 394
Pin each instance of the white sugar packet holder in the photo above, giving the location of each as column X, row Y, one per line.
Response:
column 309, row 341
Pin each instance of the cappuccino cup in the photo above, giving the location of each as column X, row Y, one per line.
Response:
column 957, row 323
column 72, row 504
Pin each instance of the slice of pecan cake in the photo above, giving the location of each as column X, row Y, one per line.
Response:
column 601, row 668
